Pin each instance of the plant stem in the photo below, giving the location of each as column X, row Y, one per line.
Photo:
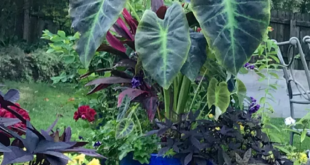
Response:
column 134, row 11
column 167, row 102
column 176, row 88
column 183, row 95
column 199, row 85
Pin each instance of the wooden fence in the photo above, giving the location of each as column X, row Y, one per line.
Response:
column 287, row 25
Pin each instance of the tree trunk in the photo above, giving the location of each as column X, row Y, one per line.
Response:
column 26, row 20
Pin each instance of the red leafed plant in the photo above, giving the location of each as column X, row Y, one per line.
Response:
column 18, row 127
column 85, row 112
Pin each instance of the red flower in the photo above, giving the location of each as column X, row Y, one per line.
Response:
column 85, row 112
column 19, row 126
column 198, row 29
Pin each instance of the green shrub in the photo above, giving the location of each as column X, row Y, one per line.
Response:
column 36, row 66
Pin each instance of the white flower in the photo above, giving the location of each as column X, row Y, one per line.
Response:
column 290, row 121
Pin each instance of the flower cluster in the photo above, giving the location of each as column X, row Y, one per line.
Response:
column 289, row 121
column 80, row 160
column 19, row 126
column 85, row 112
column 136, row 82
column 254, row 107
column 249, row 66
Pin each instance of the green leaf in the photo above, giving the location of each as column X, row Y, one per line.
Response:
column 68, row 59
column 61, row 33
column 93, row 19
column 163, row 45
column 123, row 108
column 241, row 91
column 196, row 57
column 124, row 128
column 218, row 95
column 303, row 135
column 233, row 28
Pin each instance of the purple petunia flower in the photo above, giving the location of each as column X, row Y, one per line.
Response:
column 249, row 66
column 97, row 144
column 254, row 107
column 81, row 138
column 136, row 82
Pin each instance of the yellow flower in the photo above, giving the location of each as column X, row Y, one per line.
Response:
column 94, row 162
column 210, row 116
column 80, row 158
column 303, row 158
column 241, row 128
column 71, row 162
column 24, row 149
column 217, row 128
column 253, row 133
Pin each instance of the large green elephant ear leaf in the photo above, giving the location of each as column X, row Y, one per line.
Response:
column 196, row 57
column 163, row 45
column 233, row 28
column 93, row 19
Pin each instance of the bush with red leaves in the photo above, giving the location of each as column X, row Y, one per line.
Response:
column 19, row 126
column 85, row 112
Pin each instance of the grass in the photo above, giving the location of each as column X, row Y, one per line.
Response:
column 45, row 102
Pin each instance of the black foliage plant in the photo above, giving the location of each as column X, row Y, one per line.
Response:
column 38, row 148
column 235, row 133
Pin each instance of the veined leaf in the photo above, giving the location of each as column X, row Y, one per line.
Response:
column 163, row 45
column 218, row 95
column 93, row 19
column 123, row 108
column 241, row 91
column 196, row 57
column 124, row 128
column 233, row 28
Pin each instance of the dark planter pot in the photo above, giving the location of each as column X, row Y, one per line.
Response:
column 155, row 160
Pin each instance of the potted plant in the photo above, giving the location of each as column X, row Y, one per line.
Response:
column 163, row 53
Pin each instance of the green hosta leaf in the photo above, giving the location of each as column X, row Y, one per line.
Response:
column 68, row 59
column 163, row 45
column 196, row 57
column 240, row 91
column 124, row 128
column 233, row 28
column 93, row 19
column 218, row 95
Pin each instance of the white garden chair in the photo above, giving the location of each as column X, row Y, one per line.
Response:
column 302, row 96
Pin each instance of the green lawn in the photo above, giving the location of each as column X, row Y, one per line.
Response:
column 45, row 101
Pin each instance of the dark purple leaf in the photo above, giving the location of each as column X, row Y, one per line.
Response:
column 46, row 135
column 8, row 121
column 56, row 160
column 196, row 143
column 151, row 105
column 12, row 95
column 176, row 148
column 120, row 74
column 52, row 126
column 11, row 133
column 78, row 144
column 4, row 148
column 4, row 139
column 151, row 133
column 45, row 145
column 156, row 4
column 109, row 49
column 1, row 94
column 162, row 131
column 109, row 80
column 200, row 161
column 126, row 63
column 98, row 88
column 121, row 28
column 16, row 156
column 56, row 154
column 96, row 71
column 115, row 43
column 188, row 158
column 131, row 93
column 161, row 12
column 163, row 151
column 68, row 134
column 31, row 140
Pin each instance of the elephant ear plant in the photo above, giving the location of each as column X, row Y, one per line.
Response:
column 44, row 148
column 166, row 45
